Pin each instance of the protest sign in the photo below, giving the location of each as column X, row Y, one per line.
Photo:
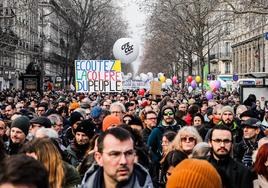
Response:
column 155, row 88
column 98, row 76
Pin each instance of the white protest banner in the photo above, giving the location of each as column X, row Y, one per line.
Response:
column 98, row 76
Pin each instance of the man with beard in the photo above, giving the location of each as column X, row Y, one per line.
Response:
column 9, row 111
column 227, row 119
column 252, row 134
column 19, row 131
column 233, row 173
column 81, row 143
column 168, row 122
column 150, row 122
column 116, row 167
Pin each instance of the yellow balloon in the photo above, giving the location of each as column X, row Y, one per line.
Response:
column 162, row 78
column 198, row 79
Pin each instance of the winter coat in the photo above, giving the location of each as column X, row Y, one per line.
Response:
column 140, row 178
column 76, row 153
column 72, row 178
column 233, row 173
column 155, row 138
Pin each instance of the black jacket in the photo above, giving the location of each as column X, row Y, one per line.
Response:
column 145, row 134
column 233, row 173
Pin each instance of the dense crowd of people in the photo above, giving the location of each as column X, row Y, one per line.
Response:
column 123, row 140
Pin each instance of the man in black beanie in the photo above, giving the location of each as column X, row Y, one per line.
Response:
column 68, row 133
column 19, row 131
column 84, row 132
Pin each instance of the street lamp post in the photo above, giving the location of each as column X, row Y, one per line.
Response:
column 263, row 47
column 67, row 58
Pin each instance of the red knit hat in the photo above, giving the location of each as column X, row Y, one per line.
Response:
column 110, row 120
column 194, row 173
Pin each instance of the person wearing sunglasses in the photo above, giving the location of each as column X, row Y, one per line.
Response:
column 167, row 123
column 186, row 139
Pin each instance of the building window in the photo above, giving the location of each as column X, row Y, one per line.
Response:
column 227, row 68
column 227, row 49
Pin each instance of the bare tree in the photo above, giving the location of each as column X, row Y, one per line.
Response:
column 90, row 22
column 190, row 26
column 247, row 6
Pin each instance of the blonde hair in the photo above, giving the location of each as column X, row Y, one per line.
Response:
column 185, row 131
column 48, row 154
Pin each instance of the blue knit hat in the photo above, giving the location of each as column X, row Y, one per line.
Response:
column 96, row 112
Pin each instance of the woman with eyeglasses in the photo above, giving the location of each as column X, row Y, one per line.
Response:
column 186, row 139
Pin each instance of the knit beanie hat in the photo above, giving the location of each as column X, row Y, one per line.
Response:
column 96, row 112
column 73, row 106
column 22, row 123
column 87, row 127
column 194, row 173
column 75, row 117
column 227, row 109
column 109, row 121
column 167, row 107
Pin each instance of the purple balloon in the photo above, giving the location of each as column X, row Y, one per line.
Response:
column 193, row 84
column 209, row 95
column 217, row 84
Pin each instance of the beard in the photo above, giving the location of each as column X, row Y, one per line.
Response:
column 222, row 156
column 228, row 123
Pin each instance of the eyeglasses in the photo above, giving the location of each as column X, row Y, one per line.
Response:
column 116, row 155
column 168, row 114
column 189, row 139
column 152, row 118
column 224, row 141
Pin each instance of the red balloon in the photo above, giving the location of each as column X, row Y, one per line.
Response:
column 215, row 89
column 189, row 79
column 141, row 92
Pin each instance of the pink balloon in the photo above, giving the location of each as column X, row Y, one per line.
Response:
column 174, row 79
column 209, row 95
column 212, row 85
column 217, row 84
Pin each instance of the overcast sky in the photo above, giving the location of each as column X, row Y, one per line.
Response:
column 136, row 19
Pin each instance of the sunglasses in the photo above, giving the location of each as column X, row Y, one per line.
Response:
column 168, row 114
column 190, row 139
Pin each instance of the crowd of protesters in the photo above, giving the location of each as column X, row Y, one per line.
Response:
column 124, row 140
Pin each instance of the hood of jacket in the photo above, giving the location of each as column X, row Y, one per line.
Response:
column 94, row 178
